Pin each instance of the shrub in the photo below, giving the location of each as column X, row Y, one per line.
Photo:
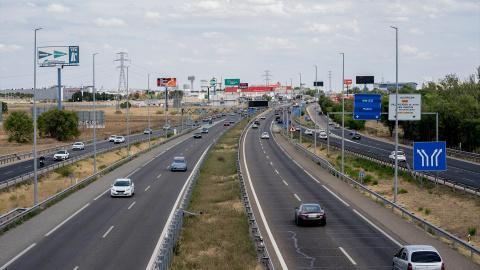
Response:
column 159, row 112
column 427, row 211
column 375, row 182
column 402, row 191
column 367, row 179
column 19, row 126
column 472, row 230
column 420, row 209
column 65, row 170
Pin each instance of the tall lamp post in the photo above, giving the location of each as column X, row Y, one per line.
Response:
column 299, row 107
column 315, row 99
column 128, row 130
column 343, row 109
column 94, row 122
column 35, row 117
column 148, row 104
column 396, row 115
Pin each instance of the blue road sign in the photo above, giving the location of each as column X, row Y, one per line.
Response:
column 251, row 111
column 284, row 123
column 429, row 156
column 297, row 111
column 361, row 175
column 306, row 118
column 367, row 107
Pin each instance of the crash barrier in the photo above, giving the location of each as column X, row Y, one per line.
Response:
column 422, row 223
column 17, row 217
column 165, row 251
column 383, row 160
column 30, row 175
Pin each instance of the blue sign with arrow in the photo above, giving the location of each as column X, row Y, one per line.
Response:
column 297, row 111
column 429, row 156
column 367, row 107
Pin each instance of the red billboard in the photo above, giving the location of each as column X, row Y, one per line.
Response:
column 166, row 81
column 347, row 81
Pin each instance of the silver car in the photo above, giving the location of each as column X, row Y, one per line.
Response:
column 417, row 257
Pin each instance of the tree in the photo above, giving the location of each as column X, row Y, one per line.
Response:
column 266, row 97
column 124, row 105
column 4, row 107
column 19, row 126
column 59, row 124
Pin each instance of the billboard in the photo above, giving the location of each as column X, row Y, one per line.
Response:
column 364, row 80
column 166, row 81
column 318, row 83
column 347, row 81
column 243, row 86
column 58, row 55
column 204, row 83
column 232, row 82
column 258, row 103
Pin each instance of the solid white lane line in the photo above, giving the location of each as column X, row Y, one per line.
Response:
column 105, row 235
column 380, row 230
column 147, row 188
column 297, row 164
column 148, row 162
column 331, row 192
column 132, row 173
column 101, row 194
column 18, row 256
column 131, row 205
column 65, row 221
column 348, row 256
column 311, row 176
column 262, row 215
column 298, row 198
column 159, row 176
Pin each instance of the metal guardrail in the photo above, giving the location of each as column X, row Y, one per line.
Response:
column 427, row 226
column 463, row 154
column 16, row 217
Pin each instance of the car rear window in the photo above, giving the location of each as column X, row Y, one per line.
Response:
column 178, row 160
column 425, row 257
column 312, row 209
column 121, row 183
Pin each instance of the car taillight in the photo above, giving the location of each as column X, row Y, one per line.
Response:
column 409, row 266
column 443, row 266
column 303, row 215
column 320, row 215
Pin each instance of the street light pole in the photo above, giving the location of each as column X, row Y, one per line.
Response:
column 315, row 99
column 343, row 110
column 128, row 130
column 35, row 117
column 94, row 122
column 148, row 104
column 396, row 116
column 299, row 107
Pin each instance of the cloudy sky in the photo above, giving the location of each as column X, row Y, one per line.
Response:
column 240, row 39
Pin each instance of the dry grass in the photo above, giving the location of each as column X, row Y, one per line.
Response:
column 453, row 211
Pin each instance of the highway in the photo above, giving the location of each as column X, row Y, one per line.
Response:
column 359, row 234
column 91, row 230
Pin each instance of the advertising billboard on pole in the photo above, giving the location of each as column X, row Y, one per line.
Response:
column 58, row 55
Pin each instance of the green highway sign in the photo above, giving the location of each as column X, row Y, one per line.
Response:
column 229, row 82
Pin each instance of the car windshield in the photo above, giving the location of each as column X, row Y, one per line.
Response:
column 61, row 152
column 78, row 143
column 179, row 160
column 122, row 183
column 312, row 208
column 425, row 257
column 119, row 137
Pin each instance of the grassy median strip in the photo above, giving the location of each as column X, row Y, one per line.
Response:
column 218, row 237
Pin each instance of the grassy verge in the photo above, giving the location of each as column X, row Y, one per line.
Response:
column 218, row 238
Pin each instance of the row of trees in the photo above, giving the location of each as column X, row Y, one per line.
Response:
column 87, row 96
column 59, row 124
column 456, row 102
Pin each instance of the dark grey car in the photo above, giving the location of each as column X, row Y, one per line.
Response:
column 310, row 213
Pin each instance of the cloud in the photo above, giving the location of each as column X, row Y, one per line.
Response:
column 57, row 8
column 112, row 22
column 407, row 49
column 270, row 43
column 152, row 15
column 472, row 49
column 416, row 31
column 6, row 48
column 212, row 35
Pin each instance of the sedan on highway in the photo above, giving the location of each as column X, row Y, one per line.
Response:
column 122, row 187
column 254, row 126
column 112, row 138
column 226, row 123
column 401, row 156
column 323, row 135
column 310, row 213
column 166, row 127
column 78, row 146
column 147, row 131
column 204, row 130
column 308, row 132
column 417, row 257
column 265, row 135
column 61, row 155
column 178, row 164
column 119, row 139
column 197, row 135
column 356, row 136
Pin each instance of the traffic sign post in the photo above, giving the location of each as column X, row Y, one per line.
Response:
column 367, row 107
column 297, row 111
column 293, row 129
column 429, row 156
column 409, row 107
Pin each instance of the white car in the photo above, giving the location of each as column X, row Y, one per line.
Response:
column 119, row 139
column 417, row 257
column 166, row 127
column 308, row 132
column 112, row 138
column 265, row 135
column 122, row 187
column 401, row 156
column 262, row 117
column 78, row 146
column 61, row 155
column 323, row 135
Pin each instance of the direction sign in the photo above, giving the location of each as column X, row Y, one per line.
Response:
column 367, row 107
column 213, row 81
column 297, row 111
column 229, row 82
column 409, row 107
column 284, row 123
column 58, row 55
column 251, row 111
column 429, row 156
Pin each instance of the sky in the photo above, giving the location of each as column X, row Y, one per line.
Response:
column 245, row 40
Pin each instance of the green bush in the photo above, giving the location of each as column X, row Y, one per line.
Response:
column 367, row 179
column 65, row 170
column 472, row 230
column 427, row 211
column 420, row 209
column 375, row 182
column 159, row 112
